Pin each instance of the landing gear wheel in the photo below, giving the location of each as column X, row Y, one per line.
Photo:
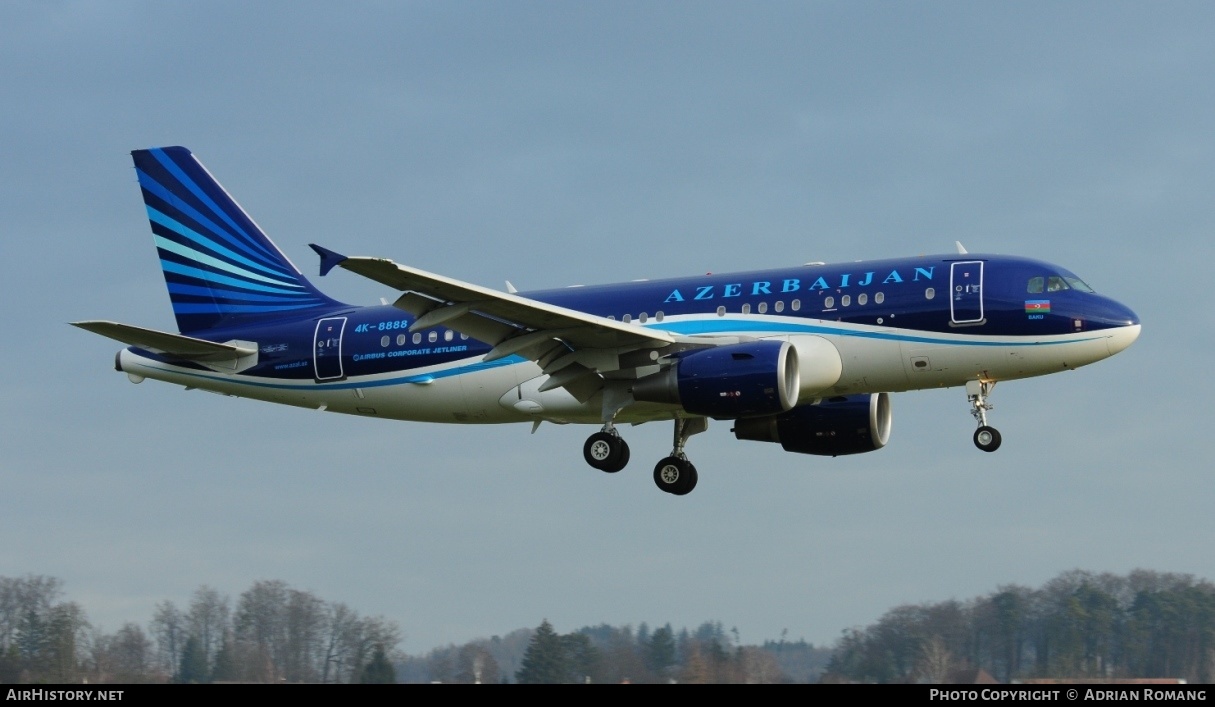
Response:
column 977, row 392
column 675, row 476
column 624, row 458
column 606, row 452
column 987, row 438
column 690, row 483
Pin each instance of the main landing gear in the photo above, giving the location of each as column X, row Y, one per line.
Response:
column 986, row 438
column 675, row 474
column 606, row 451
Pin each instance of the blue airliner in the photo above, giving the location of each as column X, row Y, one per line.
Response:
column 801, row 356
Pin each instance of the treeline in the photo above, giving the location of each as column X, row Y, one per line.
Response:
column 272, row 633
column 615, row 654
column 1078, row 625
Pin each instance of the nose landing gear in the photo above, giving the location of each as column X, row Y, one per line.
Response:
column 986, row 438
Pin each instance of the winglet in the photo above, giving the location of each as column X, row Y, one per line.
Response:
column 329, row 259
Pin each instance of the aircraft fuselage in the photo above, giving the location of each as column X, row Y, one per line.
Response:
column 898, row 325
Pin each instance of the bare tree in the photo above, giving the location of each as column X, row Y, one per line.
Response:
column 261, row 620
column 207, row 619
column 936, row 664
column 131, row 655
column 367, row 634
column 169, row 630
column 340, row 621
column 305, row 623
column 758, row 666
column 476, row 665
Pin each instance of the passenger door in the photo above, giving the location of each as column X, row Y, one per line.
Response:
column 327, row 348
column 966, row 292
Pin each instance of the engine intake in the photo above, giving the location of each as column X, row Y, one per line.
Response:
column 841, row 425
column 724, row 382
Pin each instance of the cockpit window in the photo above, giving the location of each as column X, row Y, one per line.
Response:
column 1060, row 281
column 1077, row 283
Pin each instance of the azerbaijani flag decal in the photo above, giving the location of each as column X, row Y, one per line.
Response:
column 1037, row 306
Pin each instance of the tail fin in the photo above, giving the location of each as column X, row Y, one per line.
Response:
column 219, row 266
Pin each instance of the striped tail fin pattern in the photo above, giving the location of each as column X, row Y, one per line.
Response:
column 219, row 267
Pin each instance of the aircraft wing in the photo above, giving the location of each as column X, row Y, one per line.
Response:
column 572, row 347
column 175, row 345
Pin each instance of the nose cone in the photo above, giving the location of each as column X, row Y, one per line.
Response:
column 1107, row 313
column 1122, row 324
column 1122, row 337
column 1129, row 317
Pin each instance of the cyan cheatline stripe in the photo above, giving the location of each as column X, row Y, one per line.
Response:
column 160, row 191
column 197, row 191
column 208, row 276
column 305, row 385
column 178, row 288
column 748, row 326
column 204, row 259
column 185, row 231
column 734, row 326
column 226, row 308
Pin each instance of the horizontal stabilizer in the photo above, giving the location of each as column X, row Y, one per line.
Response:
column 175, row 345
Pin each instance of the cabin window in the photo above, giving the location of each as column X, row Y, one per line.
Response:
column 658, row 316
column 862, row 298
column 879, row 298
column 930, row 293
column 627, row 318
column 643, row 318
column 1035, row 285
column 721, row 311
column 384, row 340
column 1056, row 284
column 845, row 300
column 829, row 303
column 417, row 337
column 746, row 309
column 762, row 307
column 432, row 336
column 463, row 337
column 796, row 305
column 779, row 306
column 400, row 339
column 612, row 317
column 449, row 335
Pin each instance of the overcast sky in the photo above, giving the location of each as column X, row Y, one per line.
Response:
column 564, row 143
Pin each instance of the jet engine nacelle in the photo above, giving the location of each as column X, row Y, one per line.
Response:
column 751, row 378
column 819, row 366
column 841, row 425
